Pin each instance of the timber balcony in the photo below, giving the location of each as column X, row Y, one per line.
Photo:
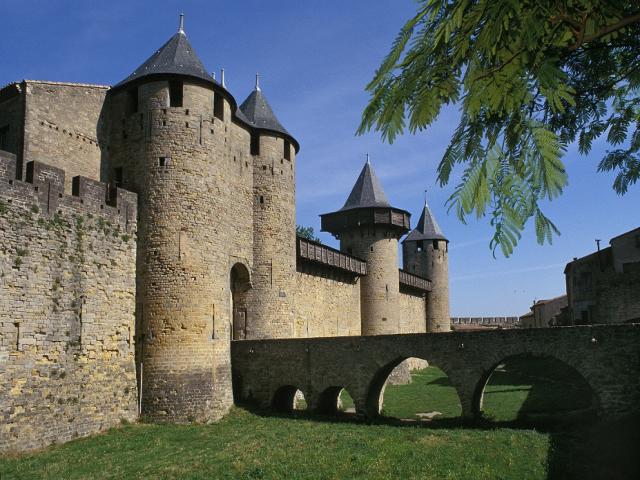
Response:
column 316, row 252
column 392, row 218
column 414, row 281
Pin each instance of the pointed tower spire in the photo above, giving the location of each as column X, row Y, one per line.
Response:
column 367, row 191
column 175, row 57
column 427, row 228
column 259, row 113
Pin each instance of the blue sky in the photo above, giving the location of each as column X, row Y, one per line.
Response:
column 315, row 58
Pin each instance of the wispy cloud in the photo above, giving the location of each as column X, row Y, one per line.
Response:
column 474, row 276
column 471, row 243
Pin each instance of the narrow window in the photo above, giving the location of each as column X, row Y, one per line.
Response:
column 175, row 94
column 435, row 245
column 261, row 199
column 287, row 150
column 213, row 321
column 163, row 161
column 218, row 106
column 4, row 138
column 132, row 100
column 117, row 176
column 17, row 325
column 255, row 144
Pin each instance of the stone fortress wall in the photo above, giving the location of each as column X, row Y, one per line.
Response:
column 67, row 296
column 188, row 244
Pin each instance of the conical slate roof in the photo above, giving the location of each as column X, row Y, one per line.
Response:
column 175, row 57
column 367, row 191
column 427, row 228
column 258, row 112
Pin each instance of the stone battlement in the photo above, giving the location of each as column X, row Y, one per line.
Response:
column 484, row 320
column 44, row 186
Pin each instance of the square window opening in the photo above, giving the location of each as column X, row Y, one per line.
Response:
column 175, row 93
column 218, row 106
column 255, row 144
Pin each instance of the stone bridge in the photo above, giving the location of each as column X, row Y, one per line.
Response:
column 270, row 371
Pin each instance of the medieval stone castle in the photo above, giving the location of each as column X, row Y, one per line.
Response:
column 146, row 225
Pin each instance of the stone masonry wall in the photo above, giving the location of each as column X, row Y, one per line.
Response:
column 271, row 309
column 64, row 126
column 413, row 314
column 67, row 299
column 381, row 286
column 423, row 259
column 327, row 303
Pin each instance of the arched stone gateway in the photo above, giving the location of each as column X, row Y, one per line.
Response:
column 606, row 356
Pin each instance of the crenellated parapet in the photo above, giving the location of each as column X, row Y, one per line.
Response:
column 43, row 187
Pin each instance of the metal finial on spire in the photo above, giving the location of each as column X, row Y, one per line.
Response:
column 425, row 197
column 213, row 75
column 222, row 77
column 257, row 82
column 181, row 24
column 368, row 160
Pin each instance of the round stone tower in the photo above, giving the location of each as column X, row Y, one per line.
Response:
column 176, row 141
column 273, row 149
column 369, row 228
column 425, row 253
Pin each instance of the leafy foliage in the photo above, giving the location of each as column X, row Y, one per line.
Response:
column 306, row 232
column 530, row 77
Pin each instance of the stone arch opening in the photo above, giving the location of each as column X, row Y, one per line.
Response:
column 335, row 400
column 428, row 395
column 534, row 389
column 240, row 283
column 288, row 399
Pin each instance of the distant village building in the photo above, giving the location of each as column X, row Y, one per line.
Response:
column 604, row 286
column 544, row 313
column 466, row 324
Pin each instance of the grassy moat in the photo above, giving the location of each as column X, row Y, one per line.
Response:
column 261, row 445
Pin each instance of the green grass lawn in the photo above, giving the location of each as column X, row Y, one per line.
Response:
column 251, row 444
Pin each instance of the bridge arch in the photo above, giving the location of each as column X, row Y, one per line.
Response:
column 284, row 398
column 328, row 401
column 376, row 387
column 488, row 372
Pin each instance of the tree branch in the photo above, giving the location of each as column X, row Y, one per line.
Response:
column 605, row 31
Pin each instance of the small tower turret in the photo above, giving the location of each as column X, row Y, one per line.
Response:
column 369, row 228
column 425, row 253
column 273, row 148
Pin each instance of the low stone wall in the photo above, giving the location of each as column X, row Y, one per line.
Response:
column 67, row 299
